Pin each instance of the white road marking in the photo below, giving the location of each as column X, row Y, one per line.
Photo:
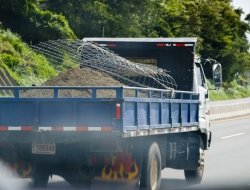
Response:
column 232, row 135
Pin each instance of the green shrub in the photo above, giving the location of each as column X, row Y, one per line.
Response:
column 24, row 65
column 9, row 60
column 229, row 91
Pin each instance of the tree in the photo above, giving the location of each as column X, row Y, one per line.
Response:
column 222, row 30
column 109, row 18
column 216, row 24
column 31, row 23
column 235, row 58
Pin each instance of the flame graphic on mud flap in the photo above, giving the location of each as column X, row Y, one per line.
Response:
column 123, row 167
column 18, row 168
column 121, row 174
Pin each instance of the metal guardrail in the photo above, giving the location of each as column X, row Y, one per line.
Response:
column 229, row 110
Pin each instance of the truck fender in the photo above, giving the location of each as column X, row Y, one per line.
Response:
column 204, row 135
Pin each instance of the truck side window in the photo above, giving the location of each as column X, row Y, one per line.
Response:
column 200, row 75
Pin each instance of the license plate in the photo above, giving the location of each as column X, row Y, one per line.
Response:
column 43, row 148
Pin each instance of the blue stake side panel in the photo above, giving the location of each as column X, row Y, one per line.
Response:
column 55, row 112
column 165, row 113
column 136, row 113
column 16, row 113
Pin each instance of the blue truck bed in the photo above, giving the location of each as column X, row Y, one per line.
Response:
column 148, row 112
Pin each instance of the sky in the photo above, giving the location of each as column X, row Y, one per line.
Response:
column 245, row 5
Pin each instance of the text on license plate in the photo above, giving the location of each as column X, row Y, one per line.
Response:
column 43, row 148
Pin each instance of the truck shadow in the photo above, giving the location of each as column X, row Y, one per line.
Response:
column 173, row 184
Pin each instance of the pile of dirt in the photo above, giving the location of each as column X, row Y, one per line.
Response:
column 82, row 77
column 77, row 77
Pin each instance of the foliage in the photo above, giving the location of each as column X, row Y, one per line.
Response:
column 117, row 18
column 16, row 56
column 231, row 90
column 235, row 58
column 223, row 35
column 31, row 23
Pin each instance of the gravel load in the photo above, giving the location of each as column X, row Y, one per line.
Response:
column 78, row 77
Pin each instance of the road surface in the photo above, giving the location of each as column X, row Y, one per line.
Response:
column 227, row 164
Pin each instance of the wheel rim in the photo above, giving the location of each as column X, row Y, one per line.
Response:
column 201, row 162
column 153, row 173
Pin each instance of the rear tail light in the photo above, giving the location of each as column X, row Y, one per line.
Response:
column 118, row 111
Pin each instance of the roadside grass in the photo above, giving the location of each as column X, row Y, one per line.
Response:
column 29, row 66
column 228, row 91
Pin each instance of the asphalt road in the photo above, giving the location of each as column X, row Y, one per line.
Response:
column 227, row 164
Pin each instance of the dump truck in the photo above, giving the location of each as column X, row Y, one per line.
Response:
column 119, row 142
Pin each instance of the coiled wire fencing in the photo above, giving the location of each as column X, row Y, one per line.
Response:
column 60, row 55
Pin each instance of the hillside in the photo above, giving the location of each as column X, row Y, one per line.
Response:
column 16, row 56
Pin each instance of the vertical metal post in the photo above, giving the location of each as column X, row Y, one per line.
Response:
column 136, row 93
column 161, row 114
column 181, row 99
column 181, row 96
column 189, row 112
column 16, row 92
column 55, row 92
column 181, row 114
column 122, row 92
column 119, row 92
column 93, row 93
column 161, row 94
column 137, row 115
column 36, row 115
column 149, row 94
column 171, row 114
column 150, row 115
column 75, row 103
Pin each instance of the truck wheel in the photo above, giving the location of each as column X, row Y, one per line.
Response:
column 151, row 167
column 40, row 178
column 195, row 176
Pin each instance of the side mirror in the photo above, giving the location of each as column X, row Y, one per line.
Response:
column 217, row 75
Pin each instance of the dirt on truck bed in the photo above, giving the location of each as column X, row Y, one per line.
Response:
column 78, row 77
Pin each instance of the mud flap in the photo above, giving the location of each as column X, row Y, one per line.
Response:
column 15, row 169
column 125, row 170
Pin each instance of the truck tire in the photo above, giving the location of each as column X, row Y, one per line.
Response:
column 151, row 167
column 40, row 178
column 195, row 176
